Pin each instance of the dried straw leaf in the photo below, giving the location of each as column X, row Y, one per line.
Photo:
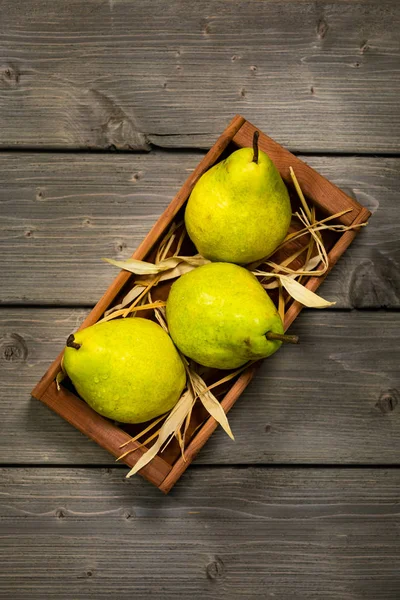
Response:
column 302, row 294
column 142, row 296
column 130, row 297
column 142, row 433
column 180, row 242
column 300, row 193
column 230, row 376
column 167, row 247
column 123, row 312
column 161, row 320
column 209, row 401
column 281, row 303
column 215, row 409
column 312, row 263
column 187, row 422
column 149, row 439
column 174, row 226
column 171, row 425
column 59, row 378
column 145, row 268
column 181, row 443
column 182, row 268
column 140, row 267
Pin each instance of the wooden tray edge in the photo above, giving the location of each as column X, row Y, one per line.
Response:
column 101, row 430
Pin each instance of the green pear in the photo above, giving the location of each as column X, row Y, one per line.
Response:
column 127, row 369
column 239, row 211
column 220, row 316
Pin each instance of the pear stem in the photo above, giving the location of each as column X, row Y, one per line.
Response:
column 290, row 339
column 255, row 146
column 71, row 343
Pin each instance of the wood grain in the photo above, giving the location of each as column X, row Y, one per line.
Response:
column 128, row 74
column 222, row 533
column 61, row 213
column 333, row 399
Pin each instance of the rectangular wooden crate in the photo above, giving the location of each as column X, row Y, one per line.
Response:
column 166, row 468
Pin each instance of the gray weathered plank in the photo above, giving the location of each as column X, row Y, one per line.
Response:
column 99, row 73
column 61, row 213
column 333, row 399
column 224, row 534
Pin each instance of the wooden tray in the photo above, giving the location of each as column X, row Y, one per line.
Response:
column 165, row 469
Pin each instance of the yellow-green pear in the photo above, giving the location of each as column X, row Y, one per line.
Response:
column 220, row 316
column 126, row 369
column 239, row 211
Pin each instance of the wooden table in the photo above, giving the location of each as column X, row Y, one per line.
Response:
column 105, row 107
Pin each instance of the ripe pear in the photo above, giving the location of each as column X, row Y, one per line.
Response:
column 220, row 316
column 239, row 211
column 126, row 369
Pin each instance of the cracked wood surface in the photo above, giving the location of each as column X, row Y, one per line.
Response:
column 227, row 534
column 332, row 399
column 127, row 74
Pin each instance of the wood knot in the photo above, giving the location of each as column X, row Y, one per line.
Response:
column 13, row 349
column 39, row 195
column 9, row 75
column 364, row 47
column 268, row 429
column 215, row 569
column 60, row 514
column 253, row 68
column 322, row 29
column 120, row 246
column 388, row 401
column 206, row 26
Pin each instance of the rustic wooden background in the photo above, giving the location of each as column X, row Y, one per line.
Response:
column 105, row 107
